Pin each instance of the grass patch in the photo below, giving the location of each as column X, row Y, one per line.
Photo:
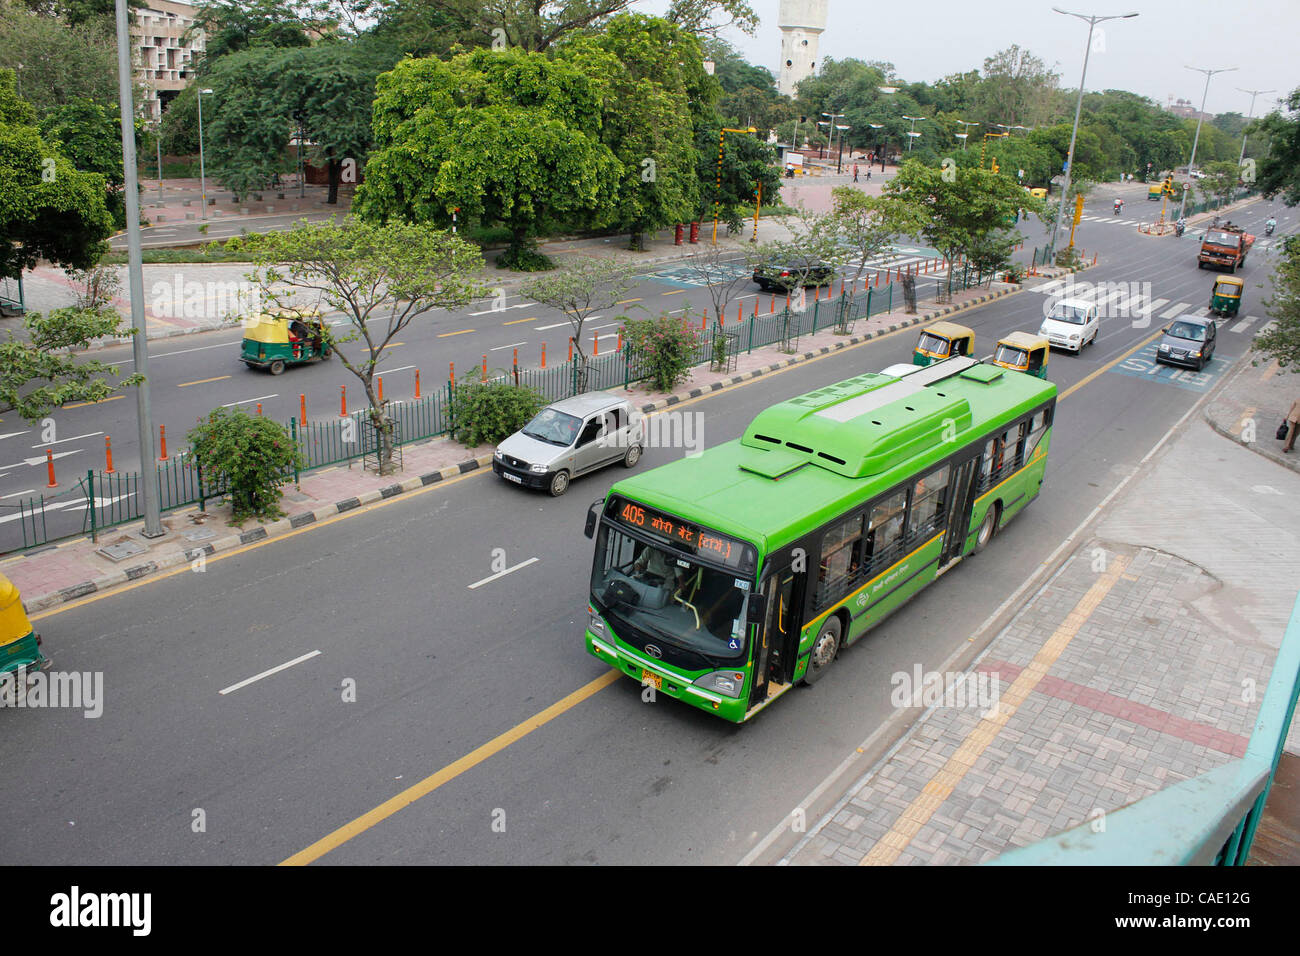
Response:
column 209, row 252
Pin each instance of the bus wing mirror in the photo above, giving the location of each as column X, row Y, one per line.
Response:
column 757, row 609
column 592, row 515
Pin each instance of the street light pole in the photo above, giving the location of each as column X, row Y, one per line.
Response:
column 1199, row 119
column 912, row 133
column 1078, row 108
column 135, row 280
column 1253, row 93
column 965, row 136
column 203, row 175
column 840, row 155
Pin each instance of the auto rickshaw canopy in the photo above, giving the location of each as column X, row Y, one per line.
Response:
column 1024, row 352
column 960, row 340
column 14, row 624
column 272, row 328
column 1229, row 286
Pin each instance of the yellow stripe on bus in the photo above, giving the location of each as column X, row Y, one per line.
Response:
column 907, row 557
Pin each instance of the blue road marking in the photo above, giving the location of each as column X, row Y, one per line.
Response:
column 1143, row 365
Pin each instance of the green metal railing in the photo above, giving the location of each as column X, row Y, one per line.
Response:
column 1208, row 820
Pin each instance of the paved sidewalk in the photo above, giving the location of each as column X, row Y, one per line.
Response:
column 1254, row 400
column 66, row 571
column 1138, row 664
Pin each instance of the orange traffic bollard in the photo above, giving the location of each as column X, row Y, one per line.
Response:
column 162, row 441
column 49, row 462
column 343, row 401
column 379, row 381
column 740, row 312
column 570, row 348
column 516, row 361
column 787, row 301
column 108, row 454
column 417, row 383
column 451, row 373
column 773, row 309
column 302, row 408
column 543, row 355
column 704, row 318
column 259, row 409
column 620, row 339
column 485, row 366
column 595, row 344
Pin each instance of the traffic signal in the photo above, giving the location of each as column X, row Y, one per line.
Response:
column 1168, row 188
column 995, row 164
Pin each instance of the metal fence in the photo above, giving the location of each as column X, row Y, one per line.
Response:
column 110, row 499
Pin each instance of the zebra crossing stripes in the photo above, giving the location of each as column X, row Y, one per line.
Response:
column 1177, row 310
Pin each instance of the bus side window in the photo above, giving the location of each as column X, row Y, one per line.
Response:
column 929, row 501
column 987, row 462
column 841, row 558
column 887, row 525
column 1037, row 428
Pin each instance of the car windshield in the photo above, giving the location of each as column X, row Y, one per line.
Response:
column 1068, row 313
column 554, row 427
column 669, row 597
column 1008, row 355
column 1187, row 330
column 1223, row 238
column 933, row 343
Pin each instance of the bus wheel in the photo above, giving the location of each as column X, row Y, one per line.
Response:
column 824, row 650
column 988, row 528
column 559, row 484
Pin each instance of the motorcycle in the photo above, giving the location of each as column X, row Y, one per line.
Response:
column 1179, row 227
column 1268, row 227
column 1119, row 204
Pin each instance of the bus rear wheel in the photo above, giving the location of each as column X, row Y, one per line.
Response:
column 988, row 527
column 824, row 650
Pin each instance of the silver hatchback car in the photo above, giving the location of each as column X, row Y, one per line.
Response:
column 571, row 438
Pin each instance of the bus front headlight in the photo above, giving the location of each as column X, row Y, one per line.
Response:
column 596, row 625
column 728, row 683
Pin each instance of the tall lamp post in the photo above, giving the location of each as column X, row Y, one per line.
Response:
column 203, row 174
column 839, row 156
column 1092, row 22
column 874, row 127
column 153, row 527
column 830, row 128
column 964, row 135
column 1253, row 93
column 1199, row 119
column 912, row 133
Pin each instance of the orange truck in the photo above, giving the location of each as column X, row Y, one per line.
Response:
column 1224, row 247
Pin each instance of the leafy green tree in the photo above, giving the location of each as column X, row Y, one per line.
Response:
column 99, row 13
column 486, row 413
column 864, row 225
column 48, row 209
column 579, row 291
column 1219, row 182
column 247, row 128
column 503, row 136
column 957, row 211
column 1017, row 89
column 748, row 163
column 232, row 25
column 57, row 63
column 664, row 348
column 180, row 123
column 381, row 277
column 89, row 134
column 37, row 375
column 251, row 455
column 655, row 85
column 1278, row 171
column 1281, row 340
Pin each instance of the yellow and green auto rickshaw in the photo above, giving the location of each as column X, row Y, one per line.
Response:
column 20, row 646
column 943, row 340
column 1023, row 352
column 273, row 340
column 1225, row 296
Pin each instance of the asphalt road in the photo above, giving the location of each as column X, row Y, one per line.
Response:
column 440, row 668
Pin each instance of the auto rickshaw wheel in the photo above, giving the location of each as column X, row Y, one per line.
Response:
column 277, row 367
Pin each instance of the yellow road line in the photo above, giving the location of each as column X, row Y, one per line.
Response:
column 111, row 398
column 675, row 292
column 626, row 301
column 443, row 335
column 203, row 381
column 517, row 321
column 946, row 780
column 449, row 772
column 1109, row 365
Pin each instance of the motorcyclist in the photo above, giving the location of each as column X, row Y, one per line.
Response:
column 1269, row 226
column 1179, row 226
column 1119, row 204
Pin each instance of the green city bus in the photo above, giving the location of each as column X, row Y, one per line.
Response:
column 725, row 578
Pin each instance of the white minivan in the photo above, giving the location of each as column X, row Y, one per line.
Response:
column 1071, row 324
column 570, row 438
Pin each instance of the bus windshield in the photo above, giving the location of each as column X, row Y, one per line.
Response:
column 669, row 598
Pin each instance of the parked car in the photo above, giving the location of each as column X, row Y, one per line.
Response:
column 1189, row 342
column 783, row 275
column 1071, row 324
column 570, row 438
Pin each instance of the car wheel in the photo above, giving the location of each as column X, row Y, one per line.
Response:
column 277, row 367
column 559, row 484
column 824, row 650
column 632, row 457
column 988, row 528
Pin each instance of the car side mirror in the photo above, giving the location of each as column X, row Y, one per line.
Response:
column 757, row 609
column 1165, row 329
column 592, row 516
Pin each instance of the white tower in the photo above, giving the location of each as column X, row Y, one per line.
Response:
column 801, row 23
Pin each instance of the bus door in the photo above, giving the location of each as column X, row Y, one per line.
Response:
column 963, row 499
column 777, row 648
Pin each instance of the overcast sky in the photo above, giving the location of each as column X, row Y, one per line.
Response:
column 929, row 39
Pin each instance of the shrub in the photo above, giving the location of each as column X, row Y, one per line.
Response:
column 665, row 348
column 250, row 455
column 488, row 412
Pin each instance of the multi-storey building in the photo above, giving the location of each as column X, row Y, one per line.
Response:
column 163, row 55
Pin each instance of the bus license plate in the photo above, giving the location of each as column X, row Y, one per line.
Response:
column 651, row 680
column 509, row 477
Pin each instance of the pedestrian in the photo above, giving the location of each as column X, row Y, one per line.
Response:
column 855, row 172
column 868, row 174
column 1293, row 419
